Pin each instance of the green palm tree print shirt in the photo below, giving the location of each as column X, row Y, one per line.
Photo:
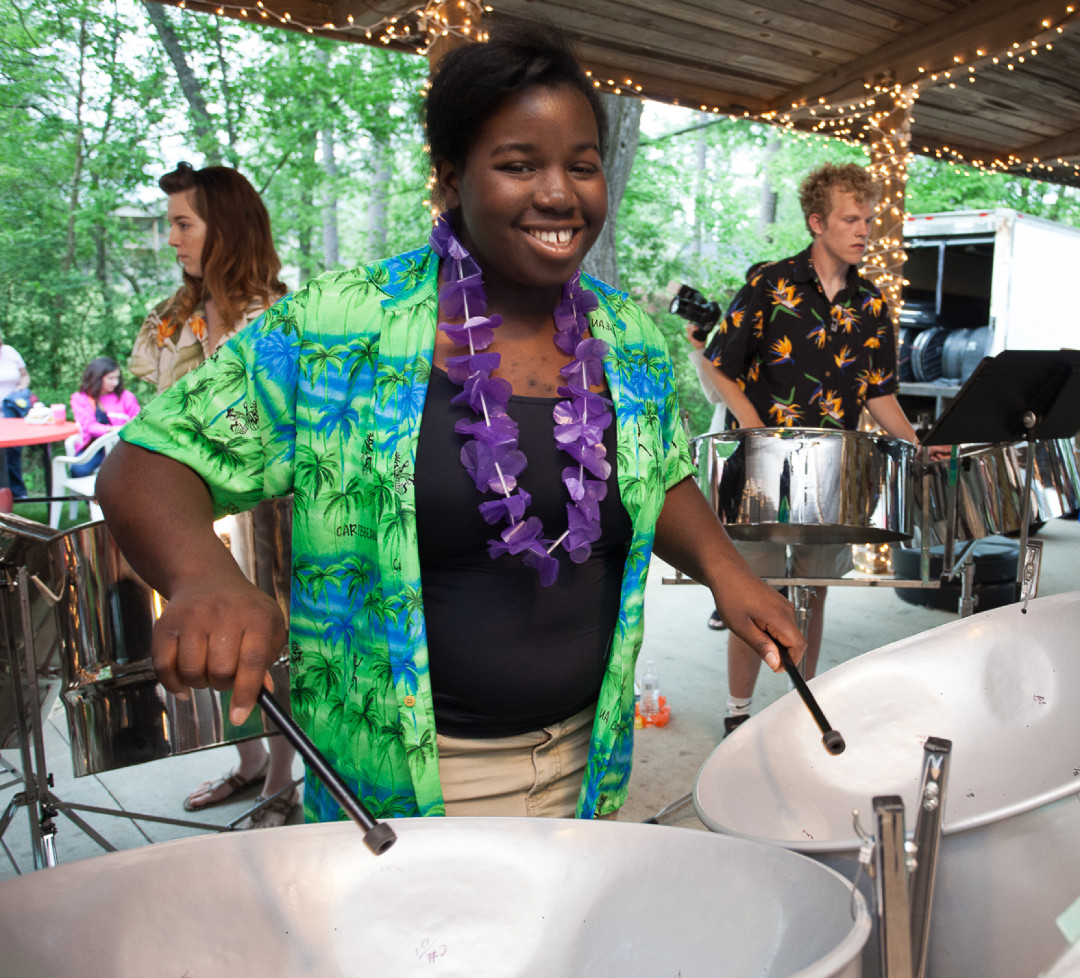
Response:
column 322, row 397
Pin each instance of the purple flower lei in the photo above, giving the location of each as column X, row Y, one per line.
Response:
column 491, row 454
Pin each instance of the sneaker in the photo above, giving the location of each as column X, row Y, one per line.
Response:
column 730, row 723
column 715, row 622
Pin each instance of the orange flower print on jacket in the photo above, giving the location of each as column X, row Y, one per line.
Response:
column 165, row 329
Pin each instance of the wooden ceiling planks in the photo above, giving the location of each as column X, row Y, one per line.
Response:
column 740, row 56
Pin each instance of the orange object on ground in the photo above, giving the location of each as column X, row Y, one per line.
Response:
column 658, row 719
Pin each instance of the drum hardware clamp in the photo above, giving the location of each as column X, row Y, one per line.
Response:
column 903, row 871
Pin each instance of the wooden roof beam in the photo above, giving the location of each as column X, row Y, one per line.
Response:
column 1064, row 147
column 989, row 26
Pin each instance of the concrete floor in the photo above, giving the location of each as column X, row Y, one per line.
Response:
column 692, row 667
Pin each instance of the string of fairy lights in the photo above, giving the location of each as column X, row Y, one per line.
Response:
column 852, row 120
column 417, row 30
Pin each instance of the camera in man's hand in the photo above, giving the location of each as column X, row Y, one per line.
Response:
column 691, row 305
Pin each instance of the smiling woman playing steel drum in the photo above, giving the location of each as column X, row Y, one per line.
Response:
column 464, row 628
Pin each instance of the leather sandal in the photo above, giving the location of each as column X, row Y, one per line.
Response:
column 272, row 814
column 223, row 789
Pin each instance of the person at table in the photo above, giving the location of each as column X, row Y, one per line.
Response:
column 221, row 231
column 808, row 342
column 100, row 405
column 15, row 397
column 485, row 449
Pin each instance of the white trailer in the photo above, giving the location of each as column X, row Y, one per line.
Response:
column 977, row 283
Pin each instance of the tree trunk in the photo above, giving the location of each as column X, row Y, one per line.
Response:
column 700, row 193
column 769, row 197
column 331, row 252
column 68, row 262
column 201, row 123
column 379, row 190
column 624, row 123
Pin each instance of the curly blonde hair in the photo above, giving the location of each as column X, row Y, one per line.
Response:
column 815, row 192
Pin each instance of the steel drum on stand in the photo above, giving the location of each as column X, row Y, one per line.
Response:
column 807, row 485
column 1003, row 686
column 990, row 493
column 475, row 897
column 1056, row 483
column 118, row 714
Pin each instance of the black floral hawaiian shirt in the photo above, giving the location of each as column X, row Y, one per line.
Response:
column 802, row 360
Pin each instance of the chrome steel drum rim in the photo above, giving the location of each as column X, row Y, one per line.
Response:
column 782, row 744
column 807, row 485
column 528, row 897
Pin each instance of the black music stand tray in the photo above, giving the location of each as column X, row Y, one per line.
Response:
column 1019, row 395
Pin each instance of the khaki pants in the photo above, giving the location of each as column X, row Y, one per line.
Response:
column 536, row 774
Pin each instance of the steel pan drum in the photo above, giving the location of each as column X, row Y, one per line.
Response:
column 1056, row 482
column 463, row 897
column 92, row 618
column 989, row 494
column 807, row 485
column 1004, row 687
column 24, row 544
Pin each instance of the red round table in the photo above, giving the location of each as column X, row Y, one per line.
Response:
column 15, row 432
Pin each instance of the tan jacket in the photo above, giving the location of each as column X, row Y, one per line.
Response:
column 165, row 349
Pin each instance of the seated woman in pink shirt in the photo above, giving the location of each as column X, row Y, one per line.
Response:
column 100, row 405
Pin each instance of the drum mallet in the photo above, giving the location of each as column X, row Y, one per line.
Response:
column 378, row 836
column 833, row 741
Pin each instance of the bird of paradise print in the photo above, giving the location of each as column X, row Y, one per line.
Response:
column 873, row 304
column 879, row 378
column 785, row 413
column 844, row 317
column 784, row 298
column 753, row 374
column 832, row 407
column 844, row 358
column 781, row 350
column 759, row 324
column 862, row 383
column 817, row 334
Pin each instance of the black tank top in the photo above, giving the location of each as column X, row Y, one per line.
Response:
column 506, row 655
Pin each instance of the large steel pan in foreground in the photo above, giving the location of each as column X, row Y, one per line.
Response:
column 1004, row 687
column 470, row 897
column 807, row 485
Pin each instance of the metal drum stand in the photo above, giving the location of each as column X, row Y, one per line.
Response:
column 904, row 872
column 26, row 640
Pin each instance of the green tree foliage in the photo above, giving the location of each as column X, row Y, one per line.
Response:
column 99, row 99
column 695, row 211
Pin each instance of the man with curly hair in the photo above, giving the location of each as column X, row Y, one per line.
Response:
column 807, row 342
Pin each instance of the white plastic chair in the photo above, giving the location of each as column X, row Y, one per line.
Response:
column 64, row 484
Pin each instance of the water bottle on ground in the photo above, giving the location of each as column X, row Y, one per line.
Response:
column 649, row 705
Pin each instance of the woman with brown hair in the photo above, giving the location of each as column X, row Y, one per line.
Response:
column 220, row 229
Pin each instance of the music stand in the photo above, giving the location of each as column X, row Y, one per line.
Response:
column 1019, row 395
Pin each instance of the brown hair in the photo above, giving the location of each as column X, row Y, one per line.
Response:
column 239, row 262
column 95, row 373
column 815, row 192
